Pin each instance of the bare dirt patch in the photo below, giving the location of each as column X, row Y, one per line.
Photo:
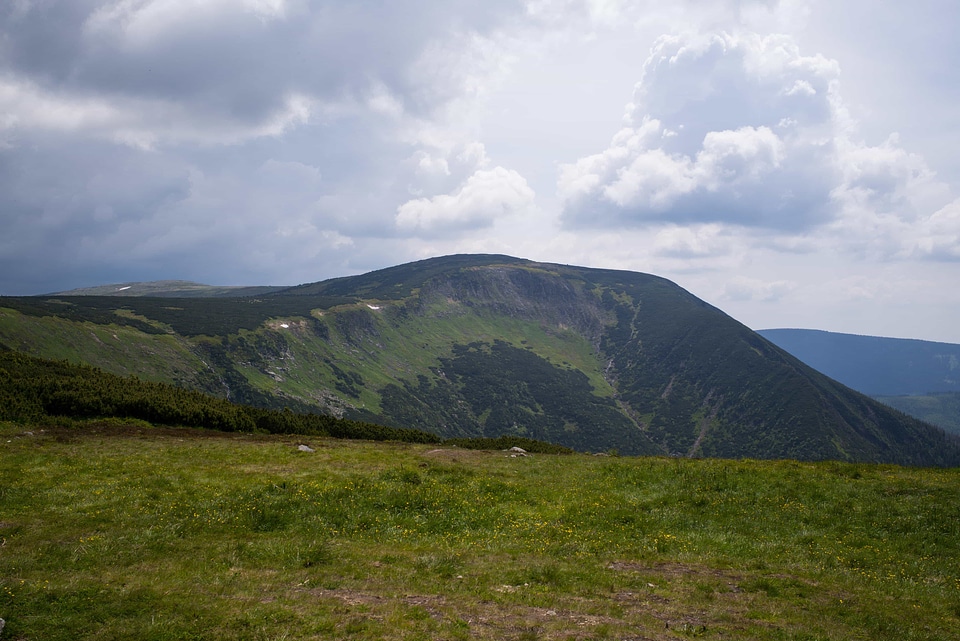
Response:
column 674, row 570
column 489, row 620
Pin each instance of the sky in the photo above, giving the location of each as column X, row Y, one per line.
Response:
column 791, row 162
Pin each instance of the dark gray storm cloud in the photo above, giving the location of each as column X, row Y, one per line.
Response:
column 236, row 59
column 57, row 201
column 180, row 137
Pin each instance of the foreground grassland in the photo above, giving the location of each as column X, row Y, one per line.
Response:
column 113, row 531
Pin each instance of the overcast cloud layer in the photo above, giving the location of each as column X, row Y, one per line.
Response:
column 791, row 162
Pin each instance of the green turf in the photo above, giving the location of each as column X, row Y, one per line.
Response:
column 111, row 531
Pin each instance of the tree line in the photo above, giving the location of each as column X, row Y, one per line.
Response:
column 35, row 390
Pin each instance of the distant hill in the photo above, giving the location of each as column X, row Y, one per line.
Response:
column 873, row 365
column 488, row 346
column 167, row 288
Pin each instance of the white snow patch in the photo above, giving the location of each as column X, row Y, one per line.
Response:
column 120, row 289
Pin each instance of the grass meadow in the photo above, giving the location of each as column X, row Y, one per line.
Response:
column 125, row 531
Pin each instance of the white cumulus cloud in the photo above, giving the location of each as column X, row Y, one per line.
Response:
column 746, row 133
column 718, row 131
column 486, row 196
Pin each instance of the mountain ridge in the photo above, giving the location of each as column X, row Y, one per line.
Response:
column 168, row 288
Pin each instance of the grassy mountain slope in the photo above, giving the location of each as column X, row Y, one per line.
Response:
column 115, row 343
column 34, row 390
column 493, row 345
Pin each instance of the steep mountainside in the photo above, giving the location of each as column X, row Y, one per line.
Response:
column 942, row 410
column 491, row 345
column 921, row 378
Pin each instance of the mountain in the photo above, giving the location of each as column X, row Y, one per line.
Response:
column 486, row 345
column 873, row 365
